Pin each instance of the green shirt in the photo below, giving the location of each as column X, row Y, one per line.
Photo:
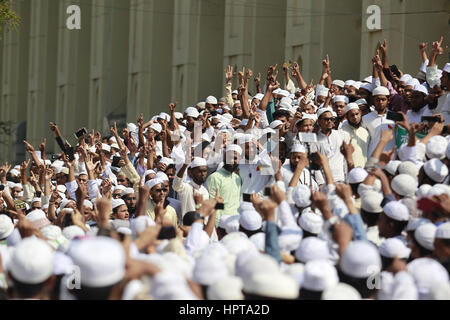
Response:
column 229, row 186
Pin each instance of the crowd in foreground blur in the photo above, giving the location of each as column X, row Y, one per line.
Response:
column 334, row 190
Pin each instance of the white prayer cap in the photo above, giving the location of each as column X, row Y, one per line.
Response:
column 341, row 291
column 412, row 82
column 371, row 202
column 357, row 84
column 72, row 232
column 164, row 116
column 297, row 147
column 424, row 235
column 367, row 86
column 115, row 203
column 404, row 185
column 322, row 92
column 301, row 196
column 14, row 172
column 209, row 269
column 61, row 188
column 178, row 115
column 275, row 285
column 446, row 67
column 106, row 147
column 38, row 218
column 161, row 175
column 284, row 93
column 339, row 83
column 443, row 231
column 360, row 259
column 420, row 88
column 127, row 191
column 101, row 261
column 305, row 116
column 276, row 123
column 351, row 106
column 156, row 127
column 119, row 187
column 312, row 248
column 250, row 261
column 211, row 100
column 285, row 105
column 361, row 102
column 380, row 91
column 140, row 223
column 114, row 145
column 227, row 288
column 166, row 161
column 62, row 170
column 197, row 162
column 357, row 175
column 153, row 182
column 323, row 110
column 414, row 223
column 229, row 223
column 319, row 275
column 436, row 147
column 259, row 240
column 259, row 96
column 340, row 98
column 287, row 100
column 32, row 261
column 250, row 220
column 146, row 173
column 311, row 222
column 6, row 226
column 427, row 273
column 392, row 166
column 405, row 78
column 234, row 148
column 289, row 239
column 368, row 79
column 409, row 168
column 237, row 242
column 234, row 92
column 349, row 82
column 394, row 248
column 396, row 210
column 436, row 170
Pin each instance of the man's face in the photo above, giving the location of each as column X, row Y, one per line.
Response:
column 83, row 179
column 237, row 110
column 190, row 121
column 407, row 91
column 117, row 194
column 199, row 174
column 308, row 109
column 295, row 159
column 445, row 80
column 364, row 108
column 221, row 104
column 380, row 103
column 337, row 89
column 234, row 96
column 159, row 192
column 250, row 150
column 364, row 94
column 15, row 192
column 231, row 161
column 306, row 125
column 255, row 103
column 61, row 178
column 416, row 100
column 210, row 107
column 87, row 211
column 326, row 121
column 282, row 119
column 339, row 108
column 383, row 226
column 122, row 213
column 350, row 90
column 130, row 200
column 441, row 250
column 354, row 117
column 321, row 99
column 36, row 205
column 170, row 173
column 122, row 180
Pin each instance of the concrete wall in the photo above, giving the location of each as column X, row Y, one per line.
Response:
column 136, row 56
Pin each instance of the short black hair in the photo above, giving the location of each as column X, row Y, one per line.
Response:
column 189, row 218
column 399, row 226
column 360, row 284
column 423, row 252
column 249, row 233
column 167, row 233
column 370, row 218
column 90, row 293
column 281, row 113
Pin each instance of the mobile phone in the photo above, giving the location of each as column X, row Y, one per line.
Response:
column 267, row 192
column 246, row 197
column 70, row 153
column 394, row 116
column 307, row 137
column 431, row 119
column 80, row 133
column 394, row 70
column 219, row 206
column 116, row 160
column 314, row 157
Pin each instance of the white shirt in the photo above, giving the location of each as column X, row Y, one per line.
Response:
column 375, row 123
column 257, row 174
column 417, row 116
column 186, row 193
column 305, row 177
column 330, row 146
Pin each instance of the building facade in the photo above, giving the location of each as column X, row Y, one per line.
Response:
column 136, row 56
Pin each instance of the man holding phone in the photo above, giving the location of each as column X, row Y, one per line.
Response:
column 417, row 105
column 377, row 120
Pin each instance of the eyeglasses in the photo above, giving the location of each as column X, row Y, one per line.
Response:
column 162, row 190
column 120, row 180
column 327, row 119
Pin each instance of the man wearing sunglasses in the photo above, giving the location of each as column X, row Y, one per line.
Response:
column 158, row 193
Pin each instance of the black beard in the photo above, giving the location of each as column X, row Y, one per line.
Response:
column 230, row 168
column 355, row 125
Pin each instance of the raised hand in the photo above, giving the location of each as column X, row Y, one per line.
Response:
column 172, row 106
column 257, row 79
column 383, row 47
column 28, row 147
column 229, row 74
column 140, row 120
column 423, row 46
column 4, row 169
column 42, row 145
column 437, row 47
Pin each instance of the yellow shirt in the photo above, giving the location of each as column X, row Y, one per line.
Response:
column 360, row 142
column 170, row 218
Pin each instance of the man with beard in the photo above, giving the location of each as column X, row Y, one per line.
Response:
column 339, row 104
column 376, row 121
column 129, row 197
column 227, row 183
column 416, row 104
column 360, row 136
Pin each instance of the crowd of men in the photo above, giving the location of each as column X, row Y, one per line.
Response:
column 334, row 190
